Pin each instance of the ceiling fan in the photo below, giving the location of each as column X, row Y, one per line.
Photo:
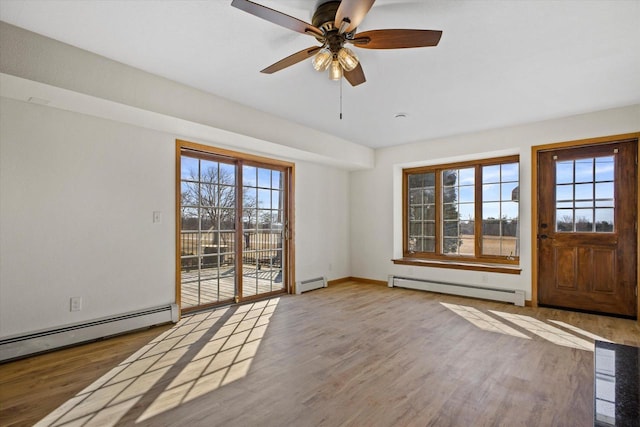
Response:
column 334, row 24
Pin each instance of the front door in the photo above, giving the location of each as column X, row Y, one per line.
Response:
column 587, row 221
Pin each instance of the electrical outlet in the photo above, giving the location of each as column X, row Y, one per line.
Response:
column 75, row 304
column 157, row 217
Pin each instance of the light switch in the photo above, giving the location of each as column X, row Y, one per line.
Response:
column 157, row 217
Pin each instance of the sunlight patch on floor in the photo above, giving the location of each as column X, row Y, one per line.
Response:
column 504, row 323
column 579, row 331
column 483, row 321
column 550, row 333
column 225, row 357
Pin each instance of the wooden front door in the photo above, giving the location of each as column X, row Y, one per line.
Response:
column 587, row 225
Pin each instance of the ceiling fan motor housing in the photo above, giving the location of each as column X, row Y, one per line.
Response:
column 325, row 15
column 324, row 18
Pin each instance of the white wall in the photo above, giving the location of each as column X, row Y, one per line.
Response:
column 77, row 195
column 322, row 222
column 376, row 223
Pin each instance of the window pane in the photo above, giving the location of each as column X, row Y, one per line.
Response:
column 188, row 168
column 604, row 168
column 458, row 194
column 564, row 192
column 264, row 199
column 429, row 245
column 491, row 245
column 250, row 197
column 227, row 174
column 189, row 219
column 584, row 170
column 604, row 220
column 415, row 196
column 190, row 193
column 429, row 195
column 415, row 228
column 564, row 172
column 508, row 189
column 249, row 176
column 208, row 171
column 275, row 199
column 430, row 229
column 510, row 172
column 491, row 227
column 604, row 203
column 264, row 178
column 500, row 211
column 584, row 220
column 450, row 245
column 564, row 220
column 584, row 191
column 430, row 213
column 450, row 211
column 467, row 246
column 421, row 198
column 227, row 196
column 584, row 204
column 466, row 194
column 491, row 210
column 604, row 190
column 510, row 210
column 417, row 180
column 466, row 211
column 208, row 194
column 415, row 213
column 451, row 229
column 490, row 192
column 467, row 176
column 491, row 174
column 227, row 219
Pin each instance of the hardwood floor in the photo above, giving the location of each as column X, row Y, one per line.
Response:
column 351, row 354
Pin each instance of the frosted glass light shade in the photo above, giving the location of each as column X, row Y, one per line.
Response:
column 322, row 59
column 347, row 59
column 335, row 70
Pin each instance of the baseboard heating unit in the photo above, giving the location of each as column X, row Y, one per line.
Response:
column 311, row 284
column 497, row 294
column 37, row 342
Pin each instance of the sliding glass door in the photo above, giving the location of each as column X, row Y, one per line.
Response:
column 233, row 229
column 208, row 218
column 263, row 228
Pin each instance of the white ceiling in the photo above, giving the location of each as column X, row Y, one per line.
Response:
column 499, row 63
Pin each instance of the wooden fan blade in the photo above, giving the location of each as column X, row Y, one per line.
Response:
column 396, row 39
column 291, row 60
column 355, row 76
column 276, row 17
column 354, row 11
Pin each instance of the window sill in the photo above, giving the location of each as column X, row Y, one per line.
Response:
column 456, row 265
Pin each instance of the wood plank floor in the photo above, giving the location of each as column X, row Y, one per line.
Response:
column 352, row 354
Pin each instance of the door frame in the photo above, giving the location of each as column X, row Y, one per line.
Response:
column 289, row 241
column 534, row 202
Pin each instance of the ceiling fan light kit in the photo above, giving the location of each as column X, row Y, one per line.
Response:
column 347, row 59
column 322, row 59
column 335, row 70
column 334, row 24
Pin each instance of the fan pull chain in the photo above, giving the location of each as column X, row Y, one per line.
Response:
column 341, row 98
